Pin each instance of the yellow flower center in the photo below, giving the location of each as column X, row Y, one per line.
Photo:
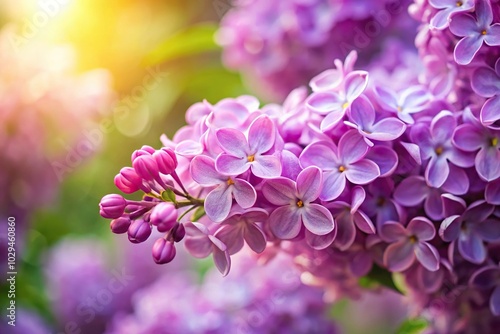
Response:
column 483, row 32
column 251, row 158
column 399, row 108
column 230, row 182
column 459, row 3
column 341, row 169
column 345, row 105
column 439, row 150
column 413, row 239
column 300, row 203
column 494, row 141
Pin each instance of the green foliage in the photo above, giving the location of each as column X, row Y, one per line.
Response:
column 168, row 196
column 412, row 326
column 378, row 276
column 200, row 212
column 191, row 41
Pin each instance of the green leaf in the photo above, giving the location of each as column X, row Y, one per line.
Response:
column 194, row 40
column 378, row 276
column 412, row 326
column 200, row 212
column 168, row 196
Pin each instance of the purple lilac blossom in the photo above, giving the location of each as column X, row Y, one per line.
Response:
column 387, row 188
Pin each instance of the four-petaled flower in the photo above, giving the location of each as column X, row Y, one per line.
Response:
column 295, row 207
column 436, row 144
column 486, row 82
column 410, row 243
column 338, row 164
column 242, row 226
column 242, row 154
column 200, row 243
column 447, row 9
column 335, row 104
column 475, row 31
column 219, row 201
column 470, row 228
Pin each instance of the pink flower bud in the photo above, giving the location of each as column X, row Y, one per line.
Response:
column 166, row 160
column 139, row 231
column 178, row 232
column 145, row 166
column 120, row 225
column 163, row 251
column 128, row 181
column 145, row 150
column 164, row 216
column 112, row 206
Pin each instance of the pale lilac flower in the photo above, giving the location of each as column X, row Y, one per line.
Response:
column 333, row 104
column 243, row 227
column 295, row 205
column 362, row 117
column 219, row 201
column 489, row 278
column 242, row 154
column 348, row 216
column 475, row 31
column 410, row 243
column 409, row 101
column 340, row 164
column 470, row 228
column 446, row 10
column 474, row 137
column 436, row 146
column 486, row 82
column 200, row 243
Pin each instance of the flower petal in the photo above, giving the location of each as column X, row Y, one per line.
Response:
column 320, row 155
column 218, row 203
column 266, row 166
column 495, row 301
column 232, row 141
column 471, row 247
column 489, row 112
column 324, row 103
column 232, row 237
column 466, row 49
column 285, row 222
column 362, row 112
column 231, row 165
column 492, row 38
column 309, row 184
column 346, row 231
column 203, row 171
column 355, row 83
column 255, row 238
column 399, row 256
column 333, row 185
column 485, row 82
column 332, row 119
column 244, row 193
column 279, row 191
column 411, row 191
column 222, row 261
column 320, row 241
column 362, row 172
column 492, row 192
column 352, row 147
column 463, row 24
column 261, row 135
column 393, row 231
column 387, row 129
column 317, row 219
column 422, row 228
column 437, row 171
column 427, row 255
column 487, row 165
column 450, row 228
column 385, row 158
column 363, row 222
column 486, row 277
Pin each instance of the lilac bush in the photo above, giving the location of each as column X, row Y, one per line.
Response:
column 358, row 179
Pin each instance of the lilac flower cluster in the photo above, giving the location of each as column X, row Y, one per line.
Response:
column 280, row 45
column 355, row 178
column 253, row 299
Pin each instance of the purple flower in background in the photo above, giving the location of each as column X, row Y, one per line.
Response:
column 200, row 243
column 335, row 104
column 475, row 31
column 410, row 243
column 470, row 228
column 339, row 165
column 362, row 117
column 446, row 9
column 379, row 202
column 489, row 278
column 219, row 201
column 486, row 82
column 436, row 144
column 348, row 217
column 243, row 226
column 295, row 207
column 242, row 154
column 471, row 137
column 410, row 101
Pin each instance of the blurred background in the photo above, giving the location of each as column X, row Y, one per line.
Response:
column 83, row 84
